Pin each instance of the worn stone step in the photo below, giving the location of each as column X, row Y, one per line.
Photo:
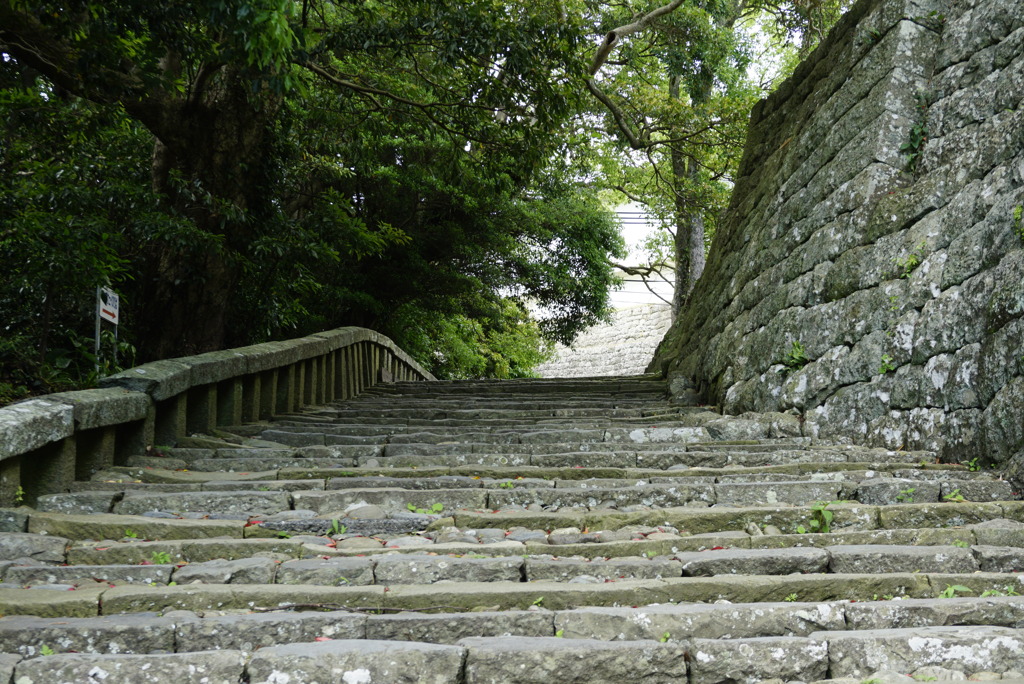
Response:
column 185, row 631
column 615, row 457
column 113, row 526
column 174, row 551
column 837, row 655
column 604, row 399
column 524, row 659
column 412, row 568
column 335, row 504
column 248, row 465
column 782, row 449
column 646, row 542
column 77, row 575
column 300, row 546
column 231, row 499
column 397, row 417
column 787, row 519
column 193, row 668
column 501, row 595
column 387, row 420
column 135, row 478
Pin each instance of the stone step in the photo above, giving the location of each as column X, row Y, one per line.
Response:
column 575, row 455
column 974, row 651
column 567, row 455
column 411, row 568
column 990, row 549
column 247, row 499
column 305, row 541
column 767, row 448
column 787, row 519
column 667, row 432
column 452, row 426
column 134, row 477
column 608, row 400
column 466, row 508
column 100, row 495
column 885, row 642
column 397, row 418
column 467, row 596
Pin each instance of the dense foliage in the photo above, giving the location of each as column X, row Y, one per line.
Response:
column 241, row 170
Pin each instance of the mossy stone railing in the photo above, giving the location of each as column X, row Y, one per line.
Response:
column 48, row 442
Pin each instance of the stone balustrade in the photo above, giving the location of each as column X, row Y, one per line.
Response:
column 48, row 442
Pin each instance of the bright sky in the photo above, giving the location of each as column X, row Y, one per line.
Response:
column 635, row 228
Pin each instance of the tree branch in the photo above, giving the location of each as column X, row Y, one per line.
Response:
column 642, row 271
column 29, row 41
column 371, row 93
column 612, row 38
column 650, row 289
column 628, row 194
column 635, row 141
column 604, row 51
column 645, row 272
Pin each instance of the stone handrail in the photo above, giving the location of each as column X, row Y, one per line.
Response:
column 48, row 442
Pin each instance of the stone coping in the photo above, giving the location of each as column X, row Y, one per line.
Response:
column 128, row 396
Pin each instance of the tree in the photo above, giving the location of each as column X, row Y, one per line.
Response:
column 675, row 102
column 217, row 84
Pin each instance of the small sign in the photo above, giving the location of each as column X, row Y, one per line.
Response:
column 109, row 303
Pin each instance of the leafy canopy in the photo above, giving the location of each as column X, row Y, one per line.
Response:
column 245, row 170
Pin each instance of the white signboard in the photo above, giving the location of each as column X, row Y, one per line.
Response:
column 108, row 305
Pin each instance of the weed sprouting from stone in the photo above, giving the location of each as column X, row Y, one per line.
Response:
column 160, row 558
column 888, row 365
column 821, row 518
column 434, row 509
column 906, row 495
column 914, row 146
column 906, row 265
column 796, row 357
column 953, row 589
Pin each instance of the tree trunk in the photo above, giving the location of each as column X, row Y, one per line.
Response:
column 689, row 232
column 216, row 144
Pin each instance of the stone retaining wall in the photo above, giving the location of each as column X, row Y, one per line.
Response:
column 624, row 346
column 904, row 288
column 47, row 442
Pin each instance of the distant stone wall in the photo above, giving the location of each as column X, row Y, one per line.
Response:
column 623, row 347
column 905, row 288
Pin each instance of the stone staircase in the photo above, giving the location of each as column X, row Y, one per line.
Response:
column 586, row 530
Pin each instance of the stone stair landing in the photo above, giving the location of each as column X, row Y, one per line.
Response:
column 585, row 530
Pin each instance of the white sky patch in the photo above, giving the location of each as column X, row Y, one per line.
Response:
column 636, row 226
